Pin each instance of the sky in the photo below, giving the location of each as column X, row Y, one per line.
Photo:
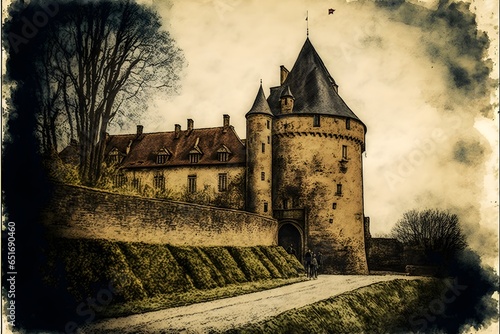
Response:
column 428, row 104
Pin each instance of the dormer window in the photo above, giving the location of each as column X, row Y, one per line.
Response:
column 163, row 156
column 223, row 153
column 194, row 157
column 195, row 153
column 222, row 156
column 114, row 156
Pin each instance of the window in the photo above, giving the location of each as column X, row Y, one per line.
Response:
column 331, row 220
column 339, row 189
column 192, row 183
column 316, row 121
column 268, row 124
column 266, row 206
column 159, row 181
column 268, row 139
column 285, row 203
column 222, row 156
column 334, row 206
column 263, row 176
column 119, row 180
column 194, row 158
column 263, row 148
column 348, row 123
column 114, row 156
column 344, row 152
column 222, row 182
column 223, row 153
column 136, row 183
column 162, row 158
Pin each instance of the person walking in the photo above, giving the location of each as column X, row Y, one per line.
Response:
column 307, row 259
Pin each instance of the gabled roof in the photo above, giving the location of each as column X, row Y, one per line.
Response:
column 313, row 87
column 260, row 105
column 206, row 142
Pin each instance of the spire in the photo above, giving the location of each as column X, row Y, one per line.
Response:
column 260, row 105
column 314, row 89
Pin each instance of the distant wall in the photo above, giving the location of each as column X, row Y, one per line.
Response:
column 385, row 254
column 80, row 212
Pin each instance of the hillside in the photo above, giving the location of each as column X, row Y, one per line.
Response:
column 94, row 278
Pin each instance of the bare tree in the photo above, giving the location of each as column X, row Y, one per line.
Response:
column 110, row 53
column 435, row 232
column 96, row 61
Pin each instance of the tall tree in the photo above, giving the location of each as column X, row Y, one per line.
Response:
column 437, row 233
column 95, row 61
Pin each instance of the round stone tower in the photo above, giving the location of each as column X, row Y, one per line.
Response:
column 259, row 156
column 317, row 166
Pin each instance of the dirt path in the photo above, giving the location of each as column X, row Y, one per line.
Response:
column 233, row 312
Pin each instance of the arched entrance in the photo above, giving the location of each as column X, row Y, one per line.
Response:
column 290, row 234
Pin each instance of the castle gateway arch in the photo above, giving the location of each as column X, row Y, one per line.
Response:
column 291, row 233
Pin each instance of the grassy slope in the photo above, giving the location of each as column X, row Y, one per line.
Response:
column 384, row 307
column 145, row 277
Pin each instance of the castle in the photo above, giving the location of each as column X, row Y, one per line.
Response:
column 301, row 164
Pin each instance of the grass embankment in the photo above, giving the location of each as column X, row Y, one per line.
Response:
column 127, row 278
column 386, row 307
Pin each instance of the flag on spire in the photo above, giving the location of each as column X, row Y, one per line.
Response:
column 330, row 11
column 307, row 23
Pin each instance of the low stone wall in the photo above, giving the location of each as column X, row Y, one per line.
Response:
column 385, row 254
column 80, row 212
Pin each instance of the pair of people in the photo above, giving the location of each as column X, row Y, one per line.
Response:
column 312, row 263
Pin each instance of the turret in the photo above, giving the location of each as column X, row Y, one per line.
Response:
column 286, row 101
column 317, row 166
column 259, row 156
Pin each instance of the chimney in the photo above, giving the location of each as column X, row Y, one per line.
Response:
column 140, row 128
column 225, row 121
column 283, row 74
column 190, row 124
column 177, row 131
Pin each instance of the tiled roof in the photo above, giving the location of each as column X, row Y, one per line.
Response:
column 312, row 86
column 146, row 146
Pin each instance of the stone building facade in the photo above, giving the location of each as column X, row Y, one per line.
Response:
column 301, row 164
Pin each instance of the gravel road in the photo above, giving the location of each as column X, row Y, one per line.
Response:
column 224, row 314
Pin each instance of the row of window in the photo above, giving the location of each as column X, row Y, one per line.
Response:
column 162, row 158
column 222, row 183
column 317, row 122
column 120, row 180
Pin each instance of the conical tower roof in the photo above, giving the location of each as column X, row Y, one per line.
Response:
column 314, row 89
column 260, row 105
column 286, row 92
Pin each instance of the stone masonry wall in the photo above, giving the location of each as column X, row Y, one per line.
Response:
column 80, row 212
